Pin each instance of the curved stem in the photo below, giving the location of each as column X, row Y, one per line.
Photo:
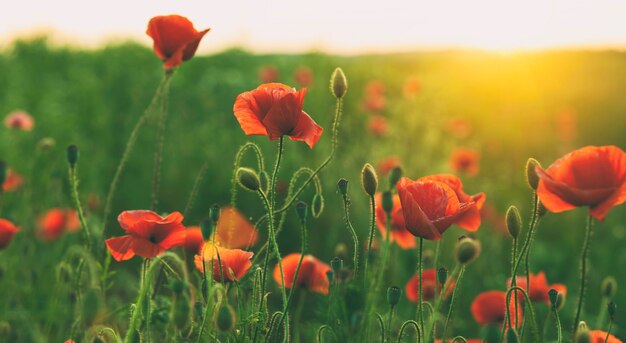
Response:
column 355, row 238
column 79, row 208
column 531, row 312
column 371, row 238
column 608, row 332
column 417, row 329
column 457, row 286
column 583, row 273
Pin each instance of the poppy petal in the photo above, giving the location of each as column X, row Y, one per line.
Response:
column 306, row 130
column 121, row 248
column 145, row 248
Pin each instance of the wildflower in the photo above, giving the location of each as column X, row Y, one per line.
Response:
column 13, row 181
column 539, row 287
column 57, row 221
column 175, row 39
column 268, row 74
column 399, row 234
column 7, row 231
column 275, row 110
column 149, row 234
column 412, row 87
column 465, row 161
column 235, row 263
column 234, row 231
column 428, row 288
column 303, row 77
column 193, row 240
column 378, row 126
column 598, row 336
column 489, row 308
column 312, row 274
column 19, row 120
column 590, row 176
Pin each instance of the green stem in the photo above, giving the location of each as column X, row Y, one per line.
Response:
column 514, row 281
column 417, row 329
column 533, row 321
column 371, row 239
column 558, row 324
column 457, row 286
column 442, row 292
column 420, row 310
column 195, row 189
column 389, row 322
column 158, row 151
column 79, row 208
column 355, row 238
column 608, row 332
column 583, row 273
column 135, row 318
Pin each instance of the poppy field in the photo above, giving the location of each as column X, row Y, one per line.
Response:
column 156, row 194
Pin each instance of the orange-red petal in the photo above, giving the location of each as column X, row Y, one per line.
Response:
column 7, row 231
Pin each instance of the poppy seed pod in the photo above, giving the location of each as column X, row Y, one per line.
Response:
column 248, row 179
column 553, row 295
column 336, row 264
column 612, row 309
column 442, row 275
column 387, row 202
column 369, row 179
column 301, row 210
column 3, row 173
column 342, row 184
column 395, row 175
column 513, row 221
column 511, row 336
column 214, row 213
column 609, row 287
column 206, row 228
column 393, row 295
column 582, row 333
column 467, row 249
column 338, row 83
column 531, row 176
column 72, row 155
column 225, row 318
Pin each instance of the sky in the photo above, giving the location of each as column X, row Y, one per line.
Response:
column 338, row 26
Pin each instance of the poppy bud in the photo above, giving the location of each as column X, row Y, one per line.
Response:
column 369, row 179
column 541, row 210
column 609, row 287
column 467, row 249
column 393, row 295
column 214, row 213
column 3, row 173
column 395, row 175
column 582, row 333
column 207, row 228
column 511, row 336
column 72, row 155
column 531, row 175
column 248, row 179
column 513, row 221
column 301, row 210
column 338, row 83
column 225, row 318
column 336, row 264
column 442, row 275
column 387, row 202
column 612, row 309
column 342, row 184
column 553, row 295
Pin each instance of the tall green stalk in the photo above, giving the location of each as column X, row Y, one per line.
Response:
column 158, row 149
column 457, row 286
column 371, row 238
column 420, row 310
column 583, row 273
column 76, row 199
column 355, row 238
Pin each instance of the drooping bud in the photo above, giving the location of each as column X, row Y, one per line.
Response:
column 612, row 309
column 214, row 213
column 336, row 264
column 342, row 184
column 393, row 295
column 72, row 155
column 513, row 221
column 531, row 175
column 467, row 249
column 442, row 275
column 225, row 318
column 609, row 287
column 394, row 176
column 511, row 336
column 206, row 226
column 387, row 202
column 369, row 179
column 3, row 173
column 338, row 83
column 582, row 333
column 248, row 179
column 301, row 210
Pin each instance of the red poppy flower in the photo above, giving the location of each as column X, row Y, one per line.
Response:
column 175, row 39
column 412, row 87
column 431, row 207
column 312, row 274
column 13, row 181
column 303, row 76
column 149, row 234
column 598, row 336
column 7, row 231
column 399, row 234
column 387, row 164
column 275, row 110
column 374, row 88
column 268, row 74
column 19, row 120
column 374, row 103
column 489, row 308
column 465, row 161
column 235, row 262
column 57, row 221
column 428, row 289
column 378, row 126
column 591, row 176
column 234, row 230
column 538, row 287
column 194, row 240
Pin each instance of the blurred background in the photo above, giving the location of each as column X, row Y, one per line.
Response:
column 469, row 88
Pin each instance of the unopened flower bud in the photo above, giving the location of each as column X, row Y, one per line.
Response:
column 336, row 264
column 301, row 210
column 248, row 179
column 442, row 275
column 338, row 83
column 513, row 221
column 369, row 179
column 531, row 175
column 582, row 333
column 511, row 336
column 214, row 213
column 342, row 184
column 206, row 227
column 612, row 309
column 387, row 201
column 467, row 250
column 609, row 287
column 395, row 175
column 393, row 295
column 225, row 318
column 553, row 295
column 72, row 155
